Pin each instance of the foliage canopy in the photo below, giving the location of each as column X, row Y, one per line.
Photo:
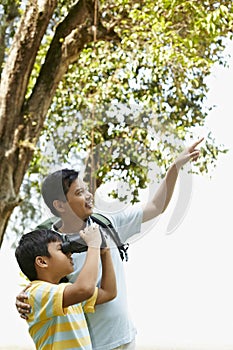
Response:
column 119, row 84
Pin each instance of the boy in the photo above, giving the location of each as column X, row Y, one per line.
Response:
column 57, row 319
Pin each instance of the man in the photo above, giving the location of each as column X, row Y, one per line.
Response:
column 68, row 198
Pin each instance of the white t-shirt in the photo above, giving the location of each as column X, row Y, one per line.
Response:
column 110, row 325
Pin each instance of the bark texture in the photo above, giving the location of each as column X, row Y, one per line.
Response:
column 21, row 118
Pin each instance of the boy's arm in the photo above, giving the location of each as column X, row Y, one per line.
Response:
column 108, row 288
column 84, row 286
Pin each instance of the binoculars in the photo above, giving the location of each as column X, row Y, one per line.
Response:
column 75, row 244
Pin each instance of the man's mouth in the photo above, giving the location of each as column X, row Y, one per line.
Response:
column 89, row 205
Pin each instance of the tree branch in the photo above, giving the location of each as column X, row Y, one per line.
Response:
column 70, row 38
column 16, row 73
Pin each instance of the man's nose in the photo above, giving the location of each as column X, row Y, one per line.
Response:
column 89, row 194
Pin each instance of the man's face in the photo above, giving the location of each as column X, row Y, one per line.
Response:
column 79, row 200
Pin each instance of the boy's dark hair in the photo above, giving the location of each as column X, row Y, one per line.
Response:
column 56, row 186
column 30, row 246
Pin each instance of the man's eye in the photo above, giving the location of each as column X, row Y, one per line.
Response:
column 81, row 191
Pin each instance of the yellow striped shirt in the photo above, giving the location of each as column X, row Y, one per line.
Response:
column 53, row 327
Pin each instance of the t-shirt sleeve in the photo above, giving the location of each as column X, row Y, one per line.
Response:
column 127, row 222
column 89, row 305
column 46, row 300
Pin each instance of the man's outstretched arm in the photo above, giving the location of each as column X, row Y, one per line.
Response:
column 163, row 195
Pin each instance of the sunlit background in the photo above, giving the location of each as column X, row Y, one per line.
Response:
column 180, row 285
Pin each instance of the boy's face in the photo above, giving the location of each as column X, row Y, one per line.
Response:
column 79, row 200
column 61, row 264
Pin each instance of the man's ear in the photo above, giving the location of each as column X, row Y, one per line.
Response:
column 41, row 261
column 59, row 205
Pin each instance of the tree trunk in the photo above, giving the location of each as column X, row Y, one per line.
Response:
column 21, row 119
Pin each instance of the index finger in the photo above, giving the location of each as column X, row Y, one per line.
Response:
column 23, row 293
column 197, row 142
column 25, row 288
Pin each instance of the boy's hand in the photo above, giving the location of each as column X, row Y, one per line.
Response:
column 22, row 307
column 91, row 235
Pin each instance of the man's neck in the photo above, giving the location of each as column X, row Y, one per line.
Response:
column 72, row 226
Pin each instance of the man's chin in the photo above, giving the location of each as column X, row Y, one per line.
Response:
column 89, row 212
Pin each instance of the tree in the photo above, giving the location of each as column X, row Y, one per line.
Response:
column 60, row 56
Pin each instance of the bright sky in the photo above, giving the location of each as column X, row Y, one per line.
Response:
column 185, row 278
column 180, row 287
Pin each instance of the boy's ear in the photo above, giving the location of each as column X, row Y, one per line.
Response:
column 41, row 261
column 59, row 205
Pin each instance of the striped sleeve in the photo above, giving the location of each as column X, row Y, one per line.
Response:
column 46, row 300
column 89, row 305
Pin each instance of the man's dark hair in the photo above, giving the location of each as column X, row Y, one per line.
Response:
column 56, row 186
column 31, row 245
